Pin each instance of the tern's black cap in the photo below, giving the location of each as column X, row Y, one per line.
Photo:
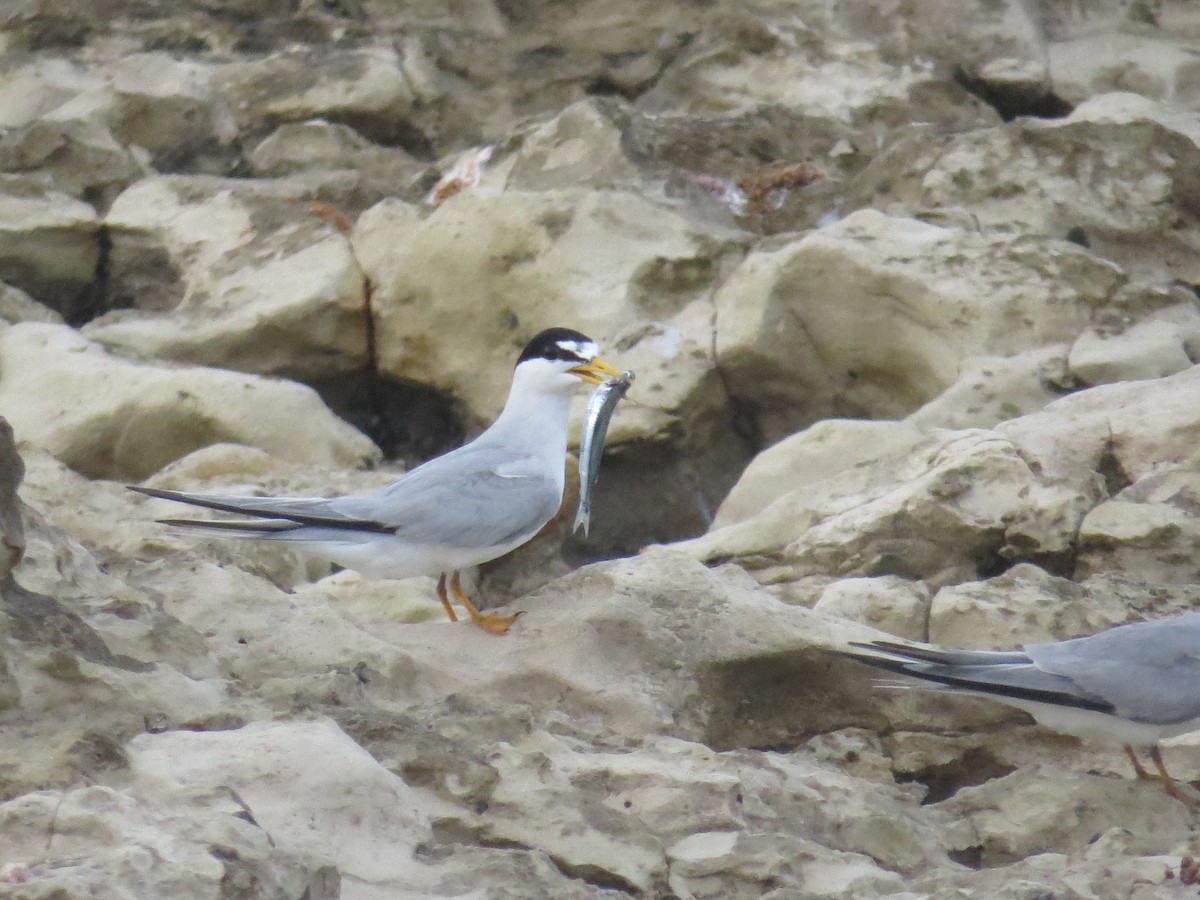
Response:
column 557, row 344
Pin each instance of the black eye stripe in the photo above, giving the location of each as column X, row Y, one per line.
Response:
column 569, row 353
column 557, row 344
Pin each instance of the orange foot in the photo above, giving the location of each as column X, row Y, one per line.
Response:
column 492, row 623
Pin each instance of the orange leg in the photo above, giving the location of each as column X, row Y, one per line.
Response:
column 490, row 622
column 1138, row 768
column 441, row 592
column 1168, row 782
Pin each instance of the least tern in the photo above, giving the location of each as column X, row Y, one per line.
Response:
column 461, row 509
column 1133, row 685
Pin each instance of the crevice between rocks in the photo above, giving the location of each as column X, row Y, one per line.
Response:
column 595, row 876
column 409, row 421
column 972, row 768
column 94, row 298
column 1011, row 101
column 591, row 875
column 742, row 420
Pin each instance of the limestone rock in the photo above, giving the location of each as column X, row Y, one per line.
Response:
column 1151, row 528
column 1024, row 605
column 605, row 143
column 365, row 88
column 182, row 845
column 210, row 266
column 317, row 144
column 49, row 248
column 1159, row 345
column 33, row 87
column 874, row 315
column 98, row 126
column 77, row 156
column 317, row 794
column 1027, row 177
column 1152, row 60
column 111, row 418
column 810, row 456
column 603, row 262
column 17, row 306
column 170, row 108
column 1119, row 431
column 727, row 839
column 940, row 510
column 749, row 60
column 1026, row 812
column 993, row 389
column 891, row 604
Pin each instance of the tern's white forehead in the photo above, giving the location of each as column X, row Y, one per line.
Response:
column 582, row 349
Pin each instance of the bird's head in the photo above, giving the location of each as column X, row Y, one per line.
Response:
column 559, row 358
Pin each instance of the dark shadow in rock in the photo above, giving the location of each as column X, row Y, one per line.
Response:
column 95, row 755
column 36, row 618
column 974, row 767
column 41, row 620
column 409, row 421
column 1015, row 100
column 776, row 700
column 12, row 530
column 971, row 857
column 654, row 494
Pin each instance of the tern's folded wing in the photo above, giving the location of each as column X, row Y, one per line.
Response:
column 1148, row 671
column 477, row 502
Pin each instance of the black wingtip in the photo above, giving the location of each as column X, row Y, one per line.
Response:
column 265, row 528
column 153, row 492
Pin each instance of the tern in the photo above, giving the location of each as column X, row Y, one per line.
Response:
column 463, row 508
column 1133, row 685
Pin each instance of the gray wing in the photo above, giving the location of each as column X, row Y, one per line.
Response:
column 1148, row 671
column 471, row 497
column 474, row 497
column 1002, row 674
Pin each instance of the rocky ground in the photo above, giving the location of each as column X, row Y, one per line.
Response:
column 911, row 292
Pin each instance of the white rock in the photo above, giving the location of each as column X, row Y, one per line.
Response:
column 317, row 144
column 1138, row 425
column 933, row 511
column 1024, row 605
column 993, row 389
column 1150, row 529
column 1152, row 348
column 811, row 456
column 107, row 417
column 1030, row 812
column 151, row 846
column 366, row 84
column 48, row 246
column 878, row 315
column 168, row 106
column 895, row 605
column 315, row 792
column 1109, row 175
column 17, row 306
column 234, row 275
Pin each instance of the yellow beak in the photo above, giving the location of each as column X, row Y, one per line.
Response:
column 596, row 372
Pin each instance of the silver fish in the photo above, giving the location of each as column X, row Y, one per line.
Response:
column 600, row 409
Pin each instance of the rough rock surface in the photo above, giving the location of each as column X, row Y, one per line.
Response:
column 108, row 417
column 911, row 294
